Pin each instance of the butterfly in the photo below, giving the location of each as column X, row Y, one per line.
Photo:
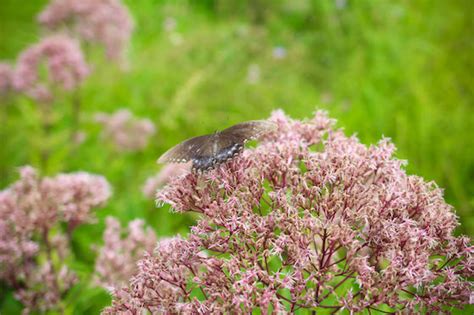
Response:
column 208, row 151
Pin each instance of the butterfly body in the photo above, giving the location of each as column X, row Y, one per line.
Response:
column 218, row 157
column 208, row 151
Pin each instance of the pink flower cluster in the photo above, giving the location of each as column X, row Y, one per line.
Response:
column 33, row 246
column 165, row 175
column 76, row 194
column 65, row 64
column 103, row 21
column 309, row 219
column 117, row 260
column 6, row 78
column 125, row 131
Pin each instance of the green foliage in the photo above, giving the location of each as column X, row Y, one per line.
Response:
column 401, row 69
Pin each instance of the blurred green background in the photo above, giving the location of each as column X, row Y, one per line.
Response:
column 401, row 69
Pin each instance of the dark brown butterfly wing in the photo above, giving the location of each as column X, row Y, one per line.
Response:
column 186, row 150
column 210, row 150
column 245, row 131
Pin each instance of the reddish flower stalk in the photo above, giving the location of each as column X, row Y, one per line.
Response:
column 33, row 246
column 309, row 219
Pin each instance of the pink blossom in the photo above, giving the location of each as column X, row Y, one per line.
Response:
column 117, row 260
column 45, row 287
column 6, row 77
column 169, row 269
column 161, row 178
column 76, row 194
column 125, row 131
column 65, row 64
column 107, row 22
column 169, row 24
column 31, row 211
column 309, row 219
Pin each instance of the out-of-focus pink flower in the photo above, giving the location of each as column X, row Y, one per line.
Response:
column 107, row 22
column 45, row 287
column 76, row 194
column 125, row 131
column 65, row 64
column 167, row 173
column 6, row 78
column 29, row 210
column 309, row 219
column 169, row 24
column 79, row 137
column 117, row 260
column 340, row 4
column 253, row 74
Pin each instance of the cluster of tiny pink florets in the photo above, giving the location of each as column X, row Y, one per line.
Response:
column 165, row 175
column 309, row 219
column 33, row 246
column 125, row 131
column 107, row 22
column 118, row 257
column 64, row 61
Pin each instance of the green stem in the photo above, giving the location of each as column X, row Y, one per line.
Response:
column 46, row 125
column 76, row 112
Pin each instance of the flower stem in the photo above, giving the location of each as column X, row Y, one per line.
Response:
column 46, row 125
column 75, row 120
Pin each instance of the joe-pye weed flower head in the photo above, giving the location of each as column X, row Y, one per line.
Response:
column 107, row 22
column 309, row 219
column 118, row 257
column 33, row 246
column 165, row 175
column 125, row 131
column 63, row 60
